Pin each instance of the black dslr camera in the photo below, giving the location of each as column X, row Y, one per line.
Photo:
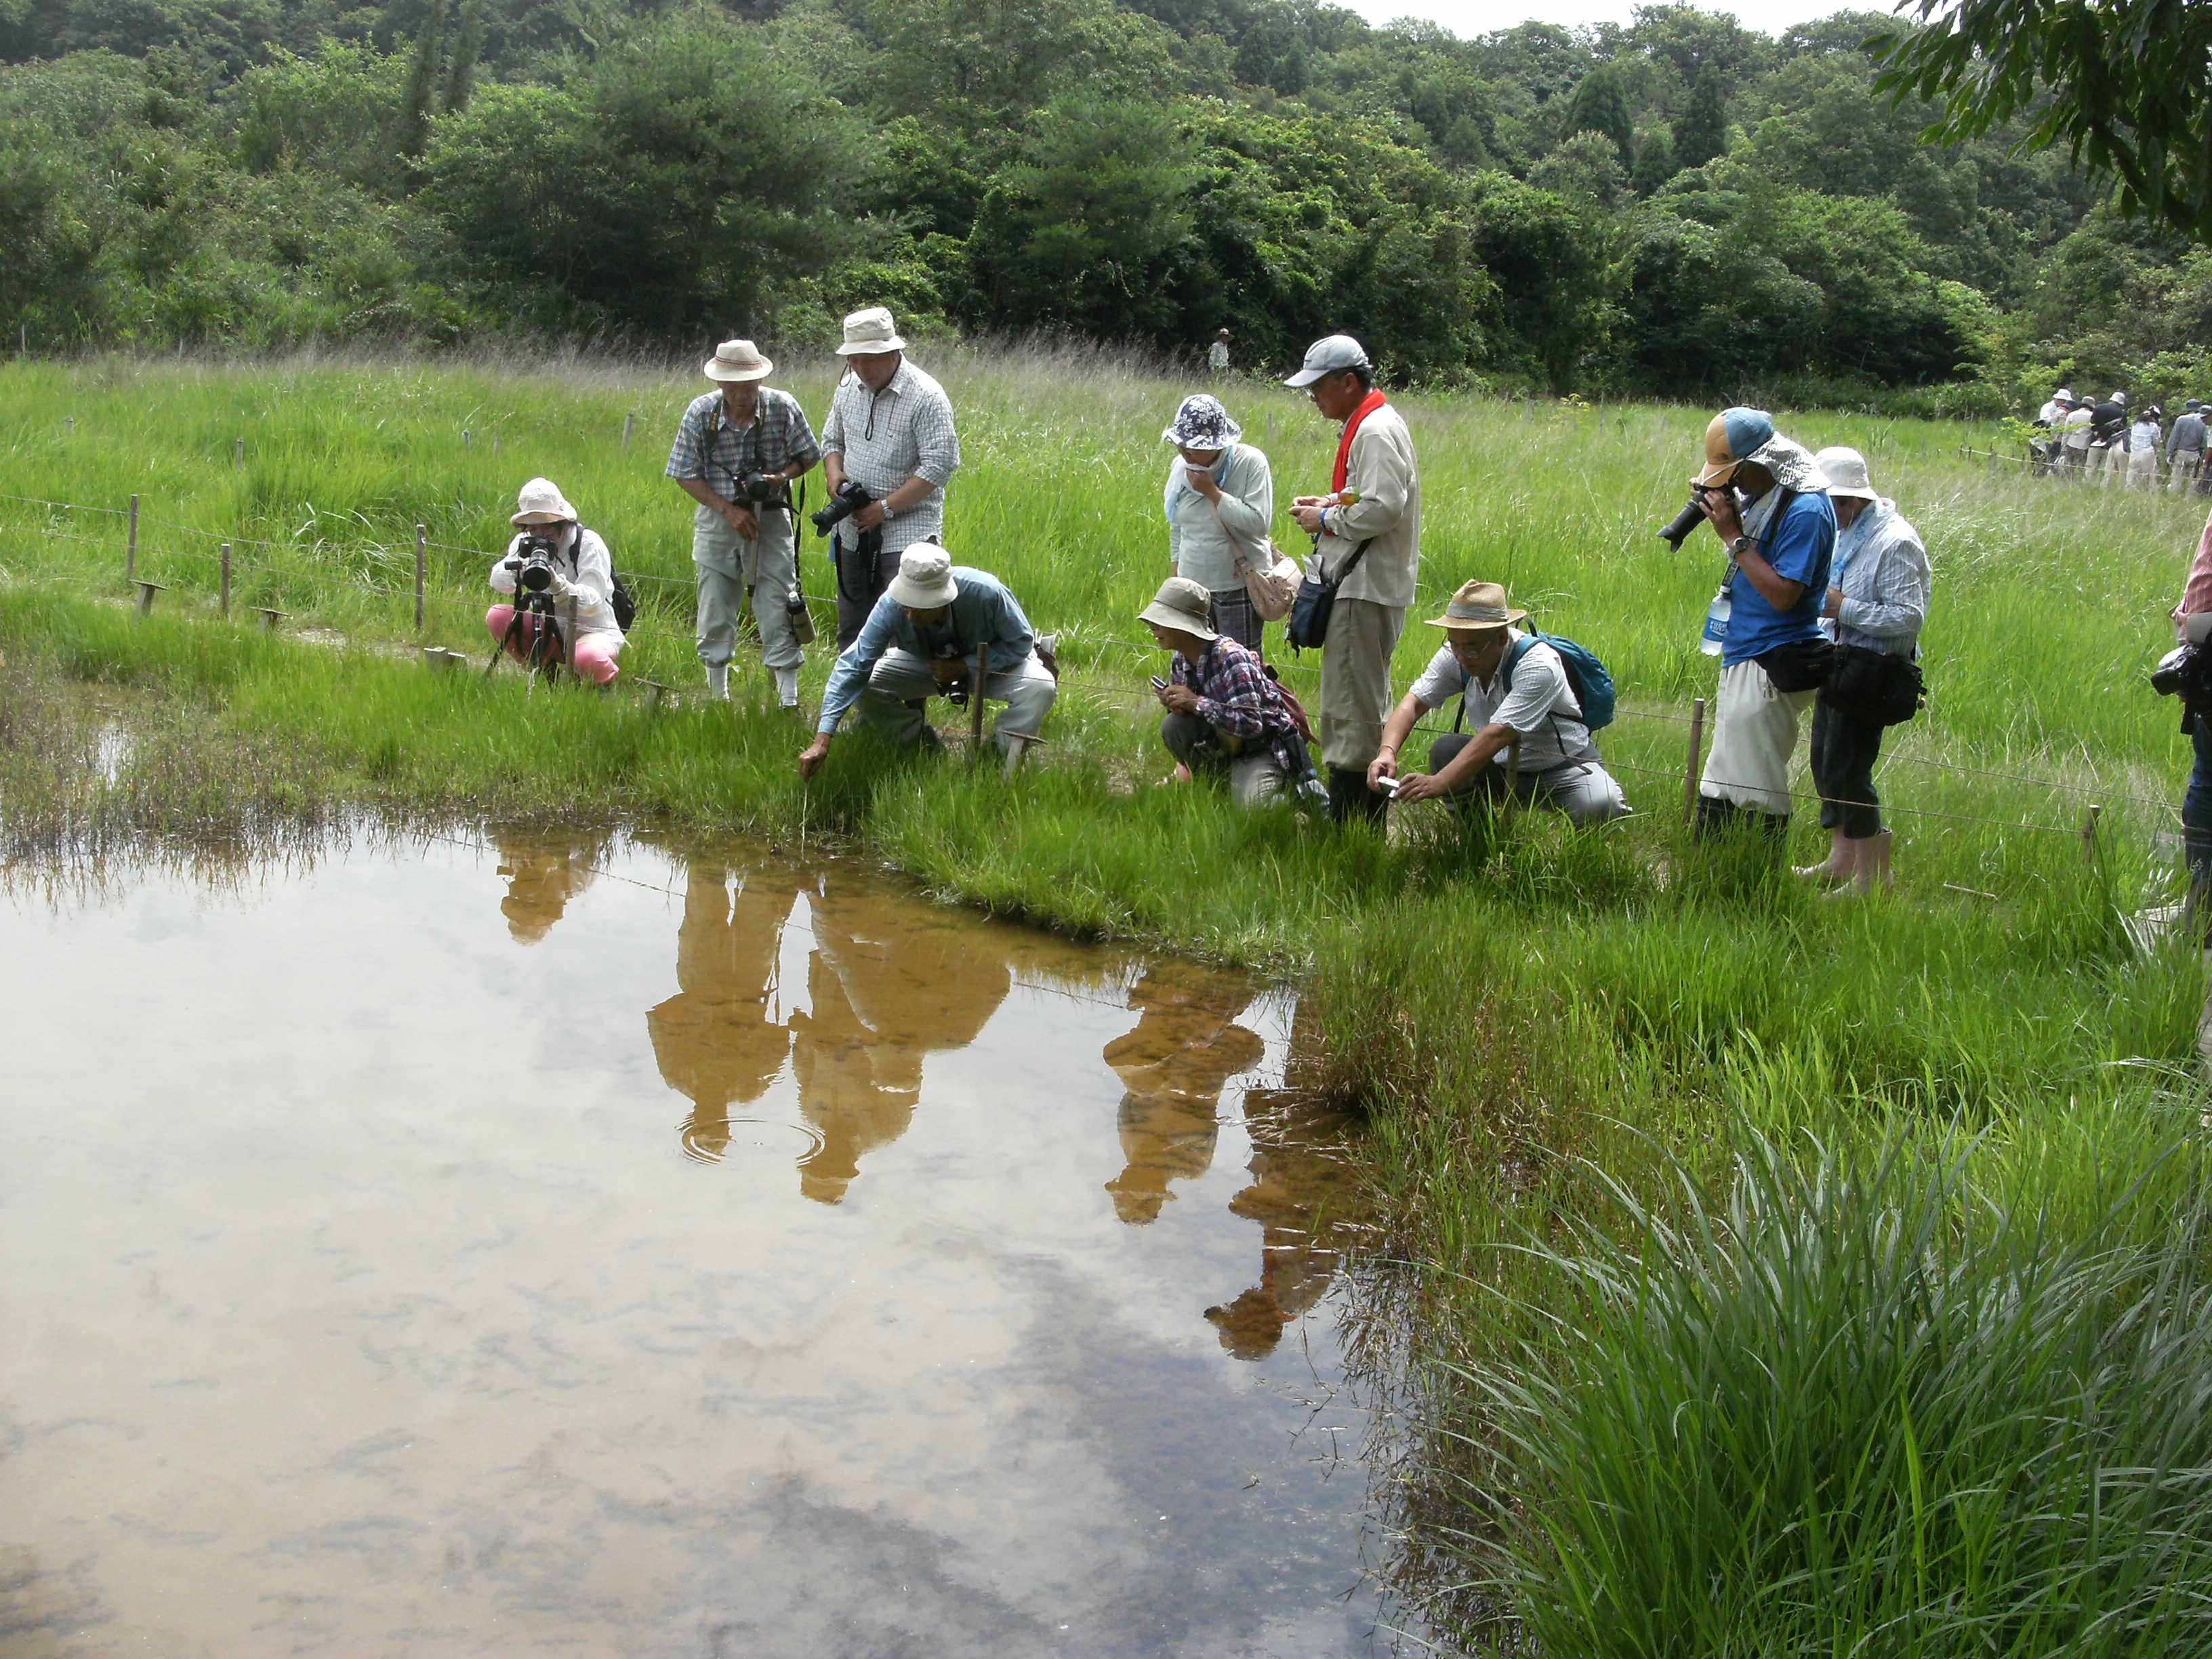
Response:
column 850, row 498
column 765, row 488
column 2185, row 671
column 533, row 563
column 1678, row 528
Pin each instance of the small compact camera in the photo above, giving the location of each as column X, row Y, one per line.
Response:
column 1388, row 786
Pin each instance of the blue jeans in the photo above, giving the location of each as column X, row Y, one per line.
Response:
column 2197, row 812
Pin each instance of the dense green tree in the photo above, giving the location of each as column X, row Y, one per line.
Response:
column 1655, row 162
column 1600, row 106
column 1701, row 130
column 410, row 127
column 1558, row 280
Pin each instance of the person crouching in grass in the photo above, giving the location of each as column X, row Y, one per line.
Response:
column 1514, row 689
column 581, row 581
column 1225, row 715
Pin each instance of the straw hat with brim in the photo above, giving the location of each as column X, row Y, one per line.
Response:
column 737, row 359
column 924, row 582
column 1183, row 606
column 1846, row 471
column 540, row 501
column 870, row 332
column 1478, row 605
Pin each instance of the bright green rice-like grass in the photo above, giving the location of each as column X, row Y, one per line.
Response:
column 1502, row 1005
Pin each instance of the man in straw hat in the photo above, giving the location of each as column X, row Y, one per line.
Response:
column 1368, row 535
column 917, row 643
column 739, row 449
column 582, row 580
column 1767, row 500
column 889, row 431
column 1514, row 689
column 1224, row 715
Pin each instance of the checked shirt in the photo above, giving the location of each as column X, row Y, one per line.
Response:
column 1236, row 696
column 708, row 447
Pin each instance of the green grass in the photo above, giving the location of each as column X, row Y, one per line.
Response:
column 1508, row 1007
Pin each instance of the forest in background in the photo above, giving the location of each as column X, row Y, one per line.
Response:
column 1683, row 207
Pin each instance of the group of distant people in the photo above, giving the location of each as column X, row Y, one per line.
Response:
column 2078, row 439
column 1822, row 571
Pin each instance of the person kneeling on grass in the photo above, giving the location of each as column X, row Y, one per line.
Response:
column 1512, row 686
column 1224, row 715
column 918, row 642
column 580, row 581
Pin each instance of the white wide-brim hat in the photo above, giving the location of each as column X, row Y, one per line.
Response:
column 924, row 582
column 737, row 359
column 869, row 332
column 540, row 501
column 1846, row 470
column 1183, row 606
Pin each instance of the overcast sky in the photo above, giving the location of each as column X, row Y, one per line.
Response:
column 1469, row 17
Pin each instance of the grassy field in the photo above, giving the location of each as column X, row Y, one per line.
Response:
column 1553, row 1032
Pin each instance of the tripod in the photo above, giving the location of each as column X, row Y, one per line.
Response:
column 543, row 647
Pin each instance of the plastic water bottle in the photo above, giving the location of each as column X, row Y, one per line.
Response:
column 1717, row 620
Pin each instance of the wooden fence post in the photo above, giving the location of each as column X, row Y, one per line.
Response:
column 422, row 561
column 2089, row 835
column 241, row 451
column 465, row 438
column 226, row 579
column 131, row 551
column 627, row 419
column 1697, row 754
column 981, row 673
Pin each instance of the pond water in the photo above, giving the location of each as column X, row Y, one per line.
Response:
column 579, row 1245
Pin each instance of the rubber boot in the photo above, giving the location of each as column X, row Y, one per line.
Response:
column 718, row 681
column 1872, row 868
column 786, row 687
column 1837, row 866
column 1350, row 799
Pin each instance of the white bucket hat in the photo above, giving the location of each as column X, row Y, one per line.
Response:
column 1846, row 470
column 1183, row 606
column 870, row 331
column 737, row 359
column 540, row 501
column 924, row 582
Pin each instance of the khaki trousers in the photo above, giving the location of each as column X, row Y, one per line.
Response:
column 726, row 570
column 1754, row 729
column 1355, row 681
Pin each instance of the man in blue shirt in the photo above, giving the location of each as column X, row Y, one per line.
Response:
column 918, row 642
column 1768, row 502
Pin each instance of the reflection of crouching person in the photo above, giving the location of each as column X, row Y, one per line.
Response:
column 1514, row 686
column 582, row 585
column 1224, row 715
column 918, row 642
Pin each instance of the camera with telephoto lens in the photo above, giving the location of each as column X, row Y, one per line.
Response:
column 765, row 488
column 850, row 498
column 2185, row 671
column 1678, row 530
column 533, row 564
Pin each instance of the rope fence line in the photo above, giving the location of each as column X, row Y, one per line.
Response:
column 423, row 595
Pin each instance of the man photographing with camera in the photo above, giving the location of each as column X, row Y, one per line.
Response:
column 889, row 433
column 739, row 449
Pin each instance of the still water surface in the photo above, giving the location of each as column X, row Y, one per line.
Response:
column 568, row 1246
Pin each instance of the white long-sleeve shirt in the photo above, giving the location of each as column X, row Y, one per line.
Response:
column 1203, row 538
column 589, row 567
column 1882, row 569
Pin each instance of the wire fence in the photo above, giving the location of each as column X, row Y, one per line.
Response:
column 650, row 625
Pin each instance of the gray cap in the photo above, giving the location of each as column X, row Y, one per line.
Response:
column 1327, row 356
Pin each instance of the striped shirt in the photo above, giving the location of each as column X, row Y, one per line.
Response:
column 887, row 437
column 710, row 446
column 1882, row 570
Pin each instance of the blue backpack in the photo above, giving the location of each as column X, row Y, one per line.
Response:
column 1586, row 675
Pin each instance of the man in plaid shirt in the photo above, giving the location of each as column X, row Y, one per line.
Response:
column 741, row 430
column 889, row 431
column 1224, row 715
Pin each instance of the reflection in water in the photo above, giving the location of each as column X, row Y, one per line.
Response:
column 543, row 871
column 714, row 1039
column 1303, row 1195
column 1174, row 1064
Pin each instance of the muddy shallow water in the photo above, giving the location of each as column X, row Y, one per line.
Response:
column 560, row 1247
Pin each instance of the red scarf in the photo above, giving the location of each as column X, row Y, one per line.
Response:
column 1368, row 405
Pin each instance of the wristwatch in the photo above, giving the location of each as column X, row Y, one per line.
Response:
column 890, row 512
column 1737, row 546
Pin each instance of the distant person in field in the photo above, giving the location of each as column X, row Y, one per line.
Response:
column 2074, row 432
column 2059, row 402
column 1225, row 715
column 1876, row 604
column 2108, row 436
column 1216, row 355
column 1514, row 689
column 743, row 441
column 918, row 642
column 2197, row 801
column 2184, row 447
column 1220, row 503
column 890, row 432
column 2047, row 447
column 2143, row 437
column 582, row 583
column 1368, row 537
column 1767, row 499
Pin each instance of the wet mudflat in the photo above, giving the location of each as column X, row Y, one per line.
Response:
column 567, row 1247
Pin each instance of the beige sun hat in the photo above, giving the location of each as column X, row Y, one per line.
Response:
column 870, row 331
column 1847, row 472
column 1183, row 606
column 1478, row 604
column 540, row 501
column 737, row 359
column 924, row 582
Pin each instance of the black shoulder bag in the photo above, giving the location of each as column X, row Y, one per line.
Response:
column 1875, row 686
column 1307, row 626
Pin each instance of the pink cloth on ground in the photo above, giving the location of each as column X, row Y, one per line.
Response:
column 594, row 661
